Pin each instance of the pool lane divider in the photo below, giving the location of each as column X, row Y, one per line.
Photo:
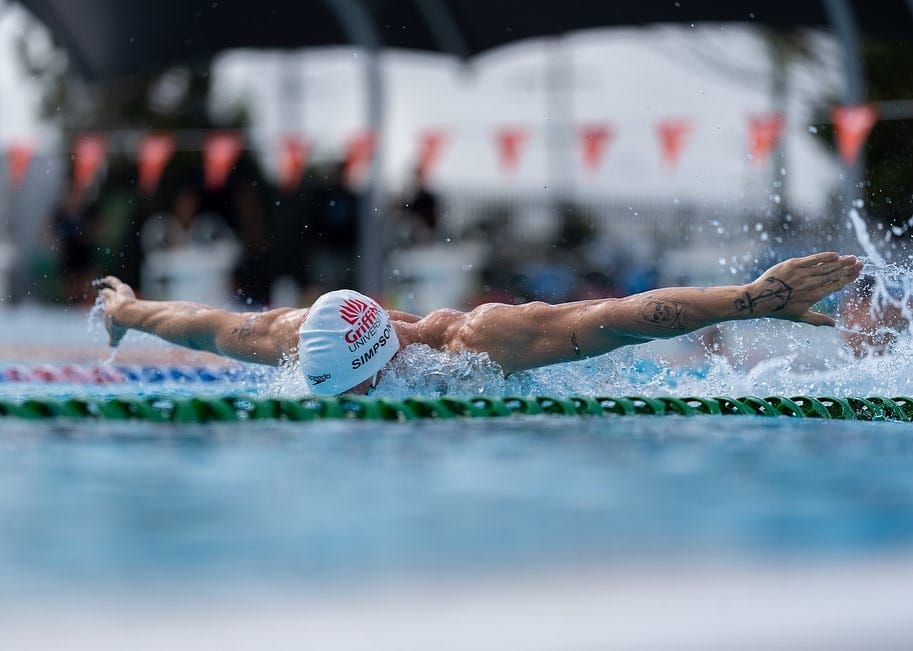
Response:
column 123, row 374
column 242, row 409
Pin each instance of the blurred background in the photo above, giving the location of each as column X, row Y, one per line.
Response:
column 444, row 153
column 438, row 153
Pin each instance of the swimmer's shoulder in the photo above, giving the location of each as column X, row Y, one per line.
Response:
column 437, row 328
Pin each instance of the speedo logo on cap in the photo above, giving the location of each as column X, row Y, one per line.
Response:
column 319, row 379
column 360, row 315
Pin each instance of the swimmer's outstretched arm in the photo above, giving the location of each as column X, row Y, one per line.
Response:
column 260, row 337
column 520, row 337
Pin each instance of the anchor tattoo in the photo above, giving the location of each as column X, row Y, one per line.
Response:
column 779, row 291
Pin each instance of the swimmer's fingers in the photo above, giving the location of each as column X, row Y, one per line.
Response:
column 840, row 278
column 844, row 263
column 108, row 282
column 817, row 258
column 817, row 319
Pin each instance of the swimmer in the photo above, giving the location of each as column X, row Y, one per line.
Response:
column 344, row 340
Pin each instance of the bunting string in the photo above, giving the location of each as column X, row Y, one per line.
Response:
column 594, row 141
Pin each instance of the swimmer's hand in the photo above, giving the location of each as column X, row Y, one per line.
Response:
column 114, row 294
column 789, row 289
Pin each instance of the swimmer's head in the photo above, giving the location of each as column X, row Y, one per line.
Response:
column 345, row 341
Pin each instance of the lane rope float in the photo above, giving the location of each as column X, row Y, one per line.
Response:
column 243, row 408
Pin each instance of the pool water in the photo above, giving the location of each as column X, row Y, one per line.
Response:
column 114, row 504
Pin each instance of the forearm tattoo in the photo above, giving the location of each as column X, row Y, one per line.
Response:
column 668, row 315
column 575, row 345
column 777, row 290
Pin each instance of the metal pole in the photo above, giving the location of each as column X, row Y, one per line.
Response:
column 356, row 21
column 370, row 262
column 840, row 14
column 559, row 109
column 779, row 91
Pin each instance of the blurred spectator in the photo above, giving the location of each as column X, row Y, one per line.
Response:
column 497, row 285
column 115, row 227
column 549, row 276
column 189, row 254
column 420, row 213
column 595, row 284
column 290, row 240
column 71, row 230
column 334, row 232
column 252, row 276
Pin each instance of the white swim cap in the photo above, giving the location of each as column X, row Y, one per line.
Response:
column 345, row 339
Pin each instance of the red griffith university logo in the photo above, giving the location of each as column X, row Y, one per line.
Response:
column 359, row 314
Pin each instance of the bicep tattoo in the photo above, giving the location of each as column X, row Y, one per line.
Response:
column 778, row 291
column 668, row 315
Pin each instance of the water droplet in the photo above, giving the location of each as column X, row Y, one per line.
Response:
column 813, row 129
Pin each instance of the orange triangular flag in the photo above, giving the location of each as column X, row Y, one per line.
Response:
column 510, row 142
column 294, row 152
column 431, row 144
column 220, row 153
column 594, row 139
column 359, row 153
column 764, row 132
column 18, row 157
column 89, row 153
column 853, row 124
column 672, row 135
column 153, row 153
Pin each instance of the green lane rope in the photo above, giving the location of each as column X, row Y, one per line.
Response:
column 239, row 409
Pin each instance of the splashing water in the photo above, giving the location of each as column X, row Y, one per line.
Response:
column 762, row 358
column 95, row 325
column 767, row 357
column 868, row 353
